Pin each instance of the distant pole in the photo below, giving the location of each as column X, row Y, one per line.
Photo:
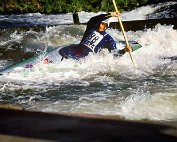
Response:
column 76, row 18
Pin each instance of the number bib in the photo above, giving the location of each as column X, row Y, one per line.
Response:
column 93, row 40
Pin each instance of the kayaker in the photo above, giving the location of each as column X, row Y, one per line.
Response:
column 94, row 39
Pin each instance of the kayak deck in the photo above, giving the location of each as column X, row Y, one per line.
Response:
column 52, row 55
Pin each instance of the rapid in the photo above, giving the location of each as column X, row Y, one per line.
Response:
column 98, row 84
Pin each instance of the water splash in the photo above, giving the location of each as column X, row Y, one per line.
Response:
column 99, row 83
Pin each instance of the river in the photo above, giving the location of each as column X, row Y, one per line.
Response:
column 98, row 84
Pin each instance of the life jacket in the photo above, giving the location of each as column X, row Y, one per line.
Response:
column 99, row 40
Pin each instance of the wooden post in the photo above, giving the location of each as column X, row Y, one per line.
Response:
column 76, row 18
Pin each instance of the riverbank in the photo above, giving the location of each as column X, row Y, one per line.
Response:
column 18, row 125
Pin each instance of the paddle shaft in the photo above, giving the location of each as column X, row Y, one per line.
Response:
column 122, row 29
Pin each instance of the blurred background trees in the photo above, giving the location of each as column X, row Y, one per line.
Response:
column 65, row 6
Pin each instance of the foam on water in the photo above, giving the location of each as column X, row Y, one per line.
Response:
column 147, row 12
column 101, row 83
column 148, row 58
column 146, row 102
column 159, row 106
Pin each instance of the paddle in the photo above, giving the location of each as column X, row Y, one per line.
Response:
column 123, row 31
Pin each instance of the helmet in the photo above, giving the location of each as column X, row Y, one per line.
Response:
column 106, row 22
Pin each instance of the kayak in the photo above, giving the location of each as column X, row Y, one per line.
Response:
column 79, row 51
column 52, row 55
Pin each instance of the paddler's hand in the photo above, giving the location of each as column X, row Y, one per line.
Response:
column 115, row 14
column 128, row 49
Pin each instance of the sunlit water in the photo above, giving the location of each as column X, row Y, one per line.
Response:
column 98, row 84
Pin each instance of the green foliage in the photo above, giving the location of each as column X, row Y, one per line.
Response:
column 65, row 6
column 130, row 4
column 106, row 5
column 80, row 5
column 1, row 9
column 142, row 2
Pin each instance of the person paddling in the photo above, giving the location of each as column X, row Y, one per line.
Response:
column 94, row 39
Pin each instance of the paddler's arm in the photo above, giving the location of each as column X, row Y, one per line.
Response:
column 126, row 49
column 123, row 51
column 94, row 21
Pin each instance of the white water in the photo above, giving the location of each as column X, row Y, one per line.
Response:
column 155, row 98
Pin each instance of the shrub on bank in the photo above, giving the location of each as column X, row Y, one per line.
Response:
column 65, row 6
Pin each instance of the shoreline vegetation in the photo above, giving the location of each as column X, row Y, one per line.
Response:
column 67, row 6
